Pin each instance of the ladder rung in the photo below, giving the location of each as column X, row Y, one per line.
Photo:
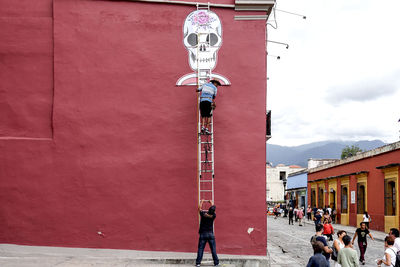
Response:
column 206, row 181
column 206, row 143
column 206, row 161
column 208, row 151
column 206, row 170
column 205, row 190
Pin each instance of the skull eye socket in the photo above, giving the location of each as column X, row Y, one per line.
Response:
column 192, row 39
column 212, row 39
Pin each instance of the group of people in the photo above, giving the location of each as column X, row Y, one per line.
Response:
column 342, row 251
column 297, row 213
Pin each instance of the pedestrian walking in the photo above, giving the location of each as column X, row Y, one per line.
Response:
column 338, row 244
column 361, row 234
column 309, row 210
column 315, row 210
column 295, row 213
column 276, row 212
column 318, row 260
column 347, row 256
column 395, row 233
column 328, row 230
column 321, row 211
column 300, row 216
column 334, row 212
column 389, row 258
column 291, row 215
column 329, row 209
column 327, row 216
column 319, row 237
column 366, row 219
column 317, row 219
column 206, row 232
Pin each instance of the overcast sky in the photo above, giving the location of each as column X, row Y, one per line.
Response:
column 340, row 77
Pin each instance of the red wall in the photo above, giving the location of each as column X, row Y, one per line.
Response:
column 95, row 136
column 375, row 184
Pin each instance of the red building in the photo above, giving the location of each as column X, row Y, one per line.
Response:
column 98, row 144
column 368, row 182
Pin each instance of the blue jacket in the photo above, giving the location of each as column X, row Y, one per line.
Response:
column 318, row 260
column 208, row 92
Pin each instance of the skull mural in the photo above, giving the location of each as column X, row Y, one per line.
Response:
column 202, row 37
column 202, row 27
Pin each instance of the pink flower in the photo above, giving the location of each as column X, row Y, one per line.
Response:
column 202, row 18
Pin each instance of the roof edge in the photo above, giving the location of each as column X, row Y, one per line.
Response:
column 367, row 154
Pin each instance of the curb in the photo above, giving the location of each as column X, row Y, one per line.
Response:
column 209, row 261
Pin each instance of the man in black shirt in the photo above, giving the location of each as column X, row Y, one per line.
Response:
column 362, row 233
column 317, row 219
column 319, row 237
column 206, row 232
column 291, row 215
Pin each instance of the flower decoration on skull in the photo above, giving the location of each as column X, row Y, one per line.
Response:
column 202, row 37
column 201, row 19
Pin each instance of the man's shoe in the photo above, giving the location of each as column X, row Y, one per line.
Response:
column 197, row 265
column 207, row 131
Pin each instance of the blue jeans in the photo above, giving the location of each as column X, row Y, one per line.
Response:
column 210, row 239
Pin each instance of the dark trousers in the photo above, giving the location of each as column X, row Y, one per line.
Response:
column 308, row 215
column 290, row 219
column 363, row 249
column 210, row 239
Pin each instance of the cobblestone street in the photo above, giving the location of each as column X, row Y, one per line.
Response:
column 289, row 245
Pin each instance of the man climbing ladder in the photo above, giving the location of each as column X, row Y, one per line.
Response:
column 208, row 92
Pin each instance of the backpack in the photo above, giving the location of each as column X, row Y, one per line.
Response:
column 334, row 253
column 397, row 264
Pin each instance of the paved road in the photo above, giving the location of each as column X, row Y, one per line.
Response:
column 294, row 243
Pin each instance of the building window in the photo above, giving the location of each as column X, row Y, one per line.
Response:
column 360, row 198
column 332, row 198
column 282, row 175
column 344, row 199
column 313, row 198
column 321, row 198
column 390, row 198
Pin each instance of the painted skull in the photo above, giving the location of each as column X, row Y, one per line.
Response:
column 201, row 28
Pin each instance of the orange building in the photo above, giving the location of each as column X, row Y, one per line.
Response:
column 368, row 181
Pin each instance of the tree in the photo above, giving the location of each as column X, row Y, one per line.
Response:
column 350, row 151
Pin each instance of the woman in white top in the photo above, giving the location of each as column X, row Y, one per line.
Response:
column 389, row 259
column 366, row 219
column 338, row 245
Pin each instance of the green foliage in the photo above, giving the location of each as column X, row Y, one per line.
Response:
column 350, row 151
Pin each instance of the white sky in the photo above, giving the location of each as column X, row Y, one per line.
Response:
column 340, row 77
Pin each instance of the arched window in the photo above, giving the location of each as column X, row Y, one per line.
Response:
column 390, row 198
column 360, row 198
column 321, row 198
column 313, row 198
column 332, row 198
column 344, row 199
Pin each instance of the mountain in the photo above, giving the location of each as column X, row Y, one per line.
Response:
column 298, row 155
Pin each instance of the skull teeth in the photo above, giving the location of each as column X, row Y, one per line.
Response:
column 207, row 59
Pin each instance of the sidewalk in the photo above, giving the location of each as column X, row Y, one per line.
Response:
column 32, row 256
